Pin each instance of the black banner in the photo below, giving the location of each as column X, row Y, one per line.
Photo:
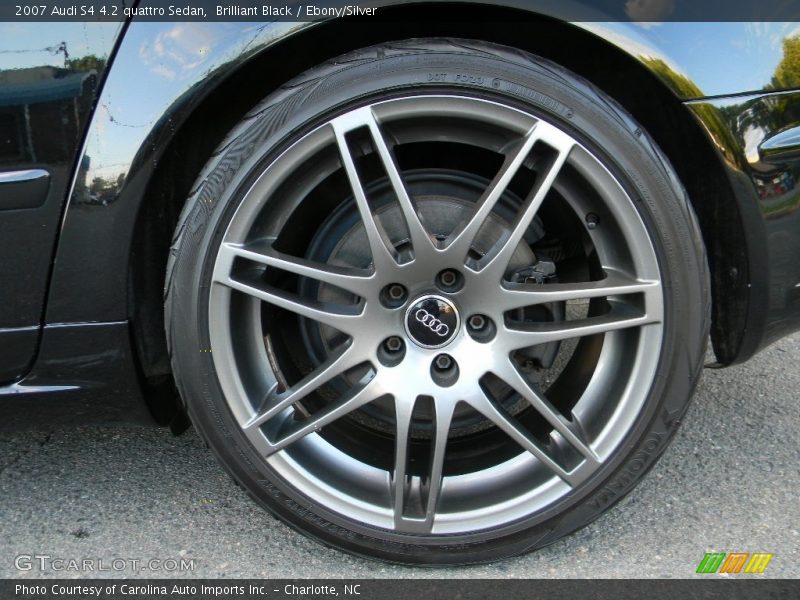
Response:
column 438, row 589
column 643, row 11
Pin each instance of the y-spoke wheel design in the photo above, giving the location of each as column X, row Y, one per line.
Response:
column 431, row 314
column 430, row 501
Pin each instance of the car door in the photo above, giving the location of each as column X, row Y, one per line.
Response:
column 49, row 78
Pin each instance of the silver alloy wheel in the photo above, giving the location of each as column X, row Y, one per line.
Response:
column 291, row 439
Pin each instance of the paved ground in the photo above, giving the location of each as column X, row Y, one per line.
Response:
column 729, row 482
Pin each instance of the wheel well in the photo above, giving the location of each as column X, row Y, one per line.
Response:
column 649, row 101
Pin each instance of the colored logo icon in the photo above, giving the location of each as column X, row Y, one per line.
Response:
column 734, row 562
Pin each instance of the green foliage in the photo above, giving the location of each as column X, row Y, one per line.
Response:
column 86, row 63
column 787, row 74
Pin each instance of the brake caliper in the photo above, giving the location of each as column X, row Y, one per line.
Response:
column 541, row 272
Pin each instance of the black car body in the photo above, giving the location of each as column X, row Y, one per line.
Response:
column 104, row 129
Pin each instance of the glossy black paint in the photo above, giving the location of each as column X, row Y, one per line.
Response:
column 181, row 63
column 757, row 139
column 85, row 372
column 46, row 100
column 172, row 86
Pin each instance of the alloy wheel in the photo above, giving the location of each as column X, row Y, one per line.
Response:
column 432, row 357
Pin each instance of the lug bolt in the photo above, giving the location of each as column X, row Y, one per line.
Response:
column 476, row 322
column 396, row 291
column 481, row 328
column 592, row 220
column 448, row 277
column 393, row 295
column 444, row 370
column 450, row 280
column 393, row 344
column 442, row 362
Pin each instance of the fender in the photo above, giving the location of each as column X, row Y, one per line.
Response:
column 163, row 72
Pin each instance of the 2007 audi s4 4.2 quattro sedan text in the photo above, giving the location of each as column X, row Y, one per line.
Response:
column 433, row 290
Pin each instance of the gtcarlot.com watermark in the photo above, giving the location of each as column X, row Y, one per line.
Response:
column 60, row 564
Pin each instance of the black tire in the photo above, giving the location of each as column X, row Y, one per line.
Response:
column 486, row 71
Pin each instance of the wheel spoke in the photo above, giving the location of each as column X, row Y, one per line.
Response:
column 379, row 243
column 357, row 397
column 464, row 236
column 355, row 281
column 562, row 145
column 516, row 432
column 509, row 374
column 403, row 411
column 540, row 132
column 519, row 295
column 275, row 403
column 444, row 415
column 621, row 316
column 344, row 318
column 423, row 492
column 420, row 238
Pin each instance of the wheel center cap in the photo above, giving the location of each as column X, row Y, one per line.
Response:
column 432, row 321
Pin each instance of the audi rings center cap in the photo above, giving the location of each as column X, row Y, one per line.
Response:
column 432, row 321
